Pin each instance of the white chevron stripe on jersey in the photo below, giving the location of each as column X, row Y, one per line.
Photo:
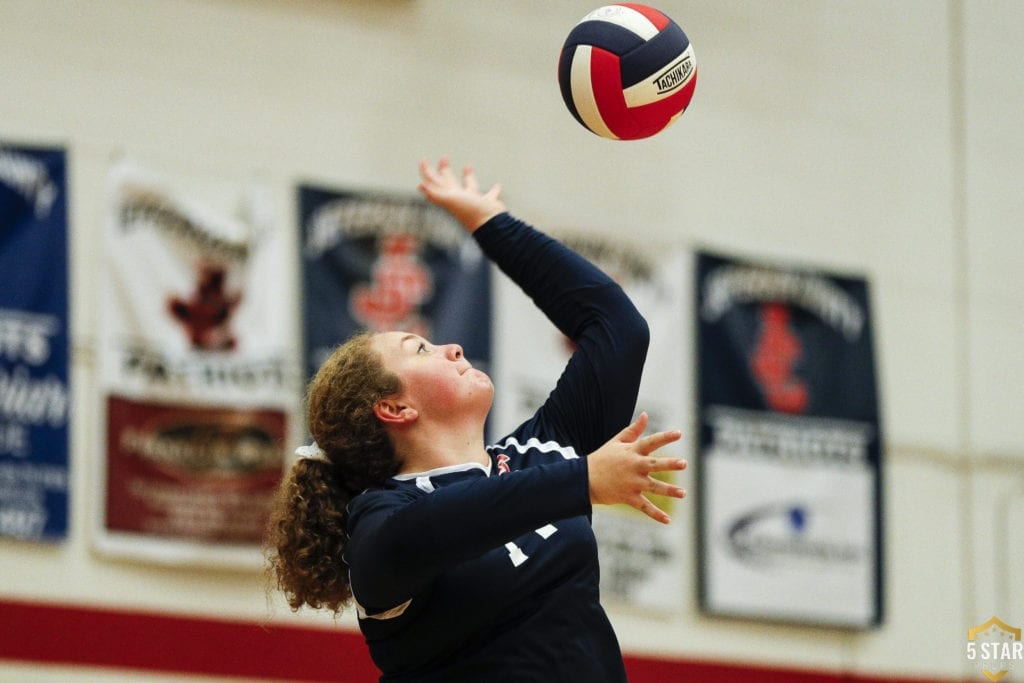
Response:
column 567, row 452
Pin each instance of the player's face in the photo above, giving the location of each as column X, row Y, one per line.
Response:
column 436, row 379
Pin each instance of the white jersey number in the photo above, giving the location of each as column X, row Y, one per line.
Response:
column 516, row 554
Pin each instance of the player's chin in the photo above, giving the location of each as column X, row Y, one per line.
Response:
column 483, row 383
column 481, row 394
column 479, row 376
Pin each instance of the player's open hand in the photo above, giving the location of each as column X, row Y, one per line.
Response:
column 620, row 470
column 462, row 198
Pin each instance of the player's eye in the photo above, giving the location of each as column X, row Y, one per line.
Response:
column 422, row 348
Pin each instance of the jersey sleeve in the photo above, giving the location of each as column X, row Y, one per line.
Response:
column 400, row 540
column 595, row 396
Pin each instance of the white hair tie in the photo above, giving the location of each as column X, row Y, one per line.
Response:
column 311, row 451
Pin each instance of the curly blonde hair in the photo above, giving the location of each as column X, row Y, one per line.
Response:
column 307, row 531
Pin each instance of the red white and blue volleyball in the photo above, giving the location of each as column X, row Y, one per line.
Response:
column 627, row 71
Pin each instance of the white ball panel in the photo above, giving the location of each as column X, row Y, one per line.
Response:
column 583, row 92
column 625, row 17
column 654, row 87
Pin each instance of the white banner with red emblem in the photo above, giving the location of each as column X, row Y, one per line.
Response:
column 198, row 378
column 642, row 563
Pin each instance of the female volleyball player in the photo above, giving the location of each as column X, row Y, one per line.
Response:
column 466, row 561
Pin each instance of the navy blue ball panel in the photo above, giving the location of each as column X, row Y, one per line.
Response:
column 604, row 35
column 653, row 55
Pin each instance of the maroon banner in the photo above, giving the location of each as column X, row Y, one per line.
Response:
column 191, row 473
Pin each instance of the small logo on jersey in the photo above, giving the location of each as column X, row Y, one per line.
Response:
column 503, row 467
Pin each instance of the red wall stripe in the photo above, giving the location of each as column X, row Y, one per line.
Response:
column 84, row 636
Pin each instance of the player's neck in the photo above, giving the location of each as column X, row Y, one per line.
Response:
column 427, row 447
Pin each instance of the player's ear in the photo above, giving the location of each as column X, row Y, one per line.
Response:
column 391, row 411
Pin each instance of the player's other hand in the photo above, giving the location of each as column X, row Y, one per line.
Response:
column 620, row 470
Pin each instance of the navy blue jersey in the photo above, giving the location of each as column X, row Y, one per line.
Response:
column 473, row 573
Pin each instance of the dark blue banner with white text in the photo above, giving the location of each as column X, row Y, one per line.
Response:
column 389, row 262
column 34, row 391
column 789, row 445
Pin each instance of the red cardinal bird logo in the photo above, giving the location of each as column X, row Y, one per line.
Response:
column 206, row 314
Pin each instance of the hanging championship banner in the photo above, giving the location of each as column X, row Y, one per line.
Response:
column 640, row 560
column 197, row 373
column 34, row 394
column 790, row 446
column 382, row 262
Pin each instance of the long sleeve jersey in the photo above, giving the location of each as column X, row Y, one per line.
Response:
column 474, row 573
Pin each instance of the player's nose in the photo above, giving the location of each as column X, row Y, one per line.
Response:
column 453, row 351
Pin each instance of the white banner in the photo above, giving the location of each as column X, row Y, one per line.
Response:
column 641, row 561
column 197, row 362
column 780, row 540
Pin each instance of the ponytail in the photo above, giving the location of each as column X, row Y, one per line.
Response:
column 308, row 530
column 307, row 537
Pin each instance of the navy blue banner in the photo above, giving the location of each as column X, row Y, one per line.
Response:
column 789, row 445
column 785, row 341
column 34, row 393
column 389, row 262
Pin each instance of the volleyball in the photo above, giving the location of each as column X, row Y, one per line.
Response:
column 627, row 71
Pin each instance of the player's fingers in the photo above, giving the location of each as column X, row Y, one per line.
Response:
column 662, row 464
column 469, row 179
column 495, row 190
column 427, row 172
column 632, row 432
column 435, row 178
column 653, row 442
column 662, row 488
column 444, row 169
column 651, row 510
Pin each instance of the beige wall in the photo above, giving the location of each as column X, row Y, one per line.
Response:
column 875, row 137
